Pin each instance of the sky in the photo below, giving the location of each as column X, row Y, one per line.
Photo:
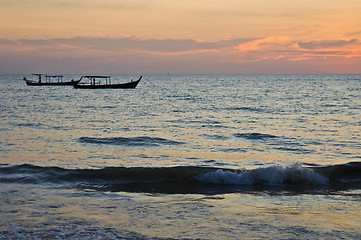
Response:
column 180, row 37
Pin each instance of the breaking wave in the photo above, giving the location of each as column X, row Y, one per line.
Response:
column 271, row 176
column 190, row 179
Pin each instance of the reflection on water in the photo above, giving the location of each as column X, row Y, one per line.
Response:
column 276, row 132
column 89, row 215
column 313, row 120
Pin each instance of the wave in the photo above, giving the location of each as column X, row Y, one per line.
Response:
column 190, row 179
column 276, row 142
column 244, row 109
column 132, row 141
column 271, row 176
column 254, row 136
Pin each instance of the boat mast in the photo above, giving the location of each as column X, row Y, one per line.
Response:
column 39, row 76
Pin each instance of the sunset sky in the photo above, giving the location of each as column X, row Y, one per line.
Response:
column 188, row 36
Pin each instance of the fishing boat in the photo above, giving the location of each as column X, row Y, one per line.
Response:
column 50, row 80
column 95, row 82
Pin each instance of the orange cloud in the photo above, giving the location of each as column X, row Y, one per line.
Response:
column 284, row 47
column 346, row 48
column 264, row 48
column 327, row 44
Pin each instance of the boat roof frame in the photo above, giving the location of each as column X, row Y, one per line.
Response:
column 54, row 76
column 95, row 76
column 49, row 76
column 92, row 78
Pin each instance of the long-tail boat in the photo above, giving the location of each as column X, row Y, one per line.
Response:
column 50, row 80
column 95, row 82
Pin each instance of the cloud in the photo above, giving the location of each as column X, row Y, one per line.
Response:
column 79, row 4
column 129, row 54
column 312, row 45
column 273, row 47
column 354, row 33
column 278, row 47
column 117, row 47
column 151, row 45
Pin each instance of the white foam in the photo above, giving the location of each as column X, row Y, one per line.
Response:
column 273, row 175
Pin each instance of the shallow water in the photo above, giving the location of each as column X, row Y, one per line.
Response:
column 183, row 156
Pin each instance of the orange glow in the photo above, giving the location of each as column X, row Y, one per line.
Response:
column 267, row 30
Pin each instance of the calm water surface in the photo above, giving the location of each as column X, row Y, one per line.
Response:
column 182, row 156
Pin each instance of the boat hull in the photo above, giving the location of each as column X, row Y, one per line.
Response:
column 32, row 83
column 110, row 86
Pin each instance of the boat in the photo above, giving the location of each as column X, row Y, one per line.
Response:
column 95, row 82
column 50, row 80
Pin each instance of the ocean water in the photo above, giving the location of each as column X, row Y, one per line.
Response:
column 182, row 157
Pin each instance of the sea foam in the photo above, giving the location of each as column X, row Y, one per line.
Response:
column 272, row 176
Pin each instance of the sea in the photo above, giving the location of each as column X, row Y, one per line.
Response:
column 182, row 157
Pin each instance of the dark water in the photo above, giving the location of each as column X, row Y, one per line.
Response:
column 184, row 156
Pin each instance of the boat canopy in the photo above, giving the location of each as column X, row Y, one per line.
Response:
column 96, row 76
column 92, row 78
column 48, row 78
column 54, row 76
